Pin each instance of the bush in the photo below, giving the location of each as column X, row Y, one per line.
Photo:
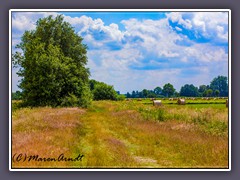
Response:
column 121, row 97
column 103, row 91
column 86, row 97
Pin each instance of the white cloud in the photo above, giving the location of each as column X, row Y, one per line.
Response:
column 206, row 53
column 158, row 38
column 208, row 24
column 22, row 21
column 212, row 23
column 89, row 26
column 177, row 17
column 178, row 28
column 145, row 43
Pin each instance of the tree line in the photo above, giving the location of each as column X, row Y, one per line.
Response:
column 98, row 91
column 217, row 88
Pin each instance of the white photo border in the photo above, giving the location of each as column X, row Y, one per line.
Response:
column 119, row 169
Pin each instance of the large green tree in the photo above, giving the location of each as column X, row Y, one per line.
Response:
column 220, row 83
column 52, row 65
column 168, row 90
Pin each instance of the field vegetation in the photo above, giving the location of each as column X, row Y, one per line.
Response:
column 124, row 134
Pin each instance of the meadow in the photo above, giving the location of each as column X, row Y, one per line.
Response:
column 124, row 134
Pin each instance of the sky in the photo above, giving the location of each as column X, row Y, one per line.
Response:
column 143, row 50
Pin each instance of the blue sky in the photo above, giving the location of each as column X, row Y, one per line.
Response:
column 143, row 50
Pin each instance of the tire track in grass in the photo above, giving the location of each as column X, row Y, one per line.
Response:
column 99, row 146
column 113, row 139
column 118, row 137
column 151, row 140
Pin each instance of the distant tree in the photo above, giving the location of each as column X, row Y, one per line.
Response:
column 137, row 94
column 128, row 95
column 151, row 94
column 52, row 65
column 158, row 91
column 189, row 90
column 220, row 83
column 133, row 94
column 201, row 89
column 204, row 94
column 145, row 93
column 176, row 94
column 208, row 93
column 217, row 92
column 16, row 95
column 140, row 94
column 168, row 90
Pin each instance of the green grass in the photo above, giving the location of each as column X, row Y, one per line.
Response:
column 125, row 134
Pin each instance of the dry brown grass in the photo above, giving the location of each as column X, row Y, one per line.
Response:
column 46, row 132
column 115, row 134
column 173, row 144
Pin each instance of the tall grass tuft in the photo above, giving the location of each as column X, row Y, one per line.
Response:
column 157, row 114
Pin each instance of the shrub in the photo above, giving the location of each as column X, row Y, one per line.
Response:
column 121, row 97
column 103, row 91
column 86, row 97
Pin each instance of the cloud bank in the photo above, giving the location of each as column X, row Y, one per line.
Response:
column 142, row 53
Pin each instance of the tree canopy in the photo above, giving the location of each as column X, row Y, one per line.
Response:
column 168, row 90
column 189, row 90
column 52, row 65
column 220, row 83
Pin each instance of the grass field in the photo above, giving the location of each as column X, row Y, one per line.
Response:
column 124, row 134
